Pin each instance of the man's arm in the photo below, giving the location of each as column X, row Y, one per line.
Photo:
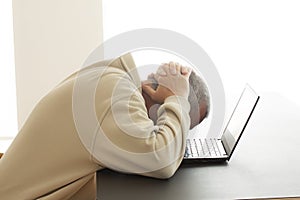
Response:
column 131, row 143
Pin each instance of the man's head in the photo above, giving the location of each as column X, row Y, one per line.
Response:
column 198, row 98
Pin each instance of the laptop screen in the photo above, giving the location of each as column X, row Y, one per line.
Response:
column 239, row 119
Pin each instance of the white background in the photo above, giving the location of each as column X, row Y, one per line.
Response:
column 257, row 42
column 8, row 104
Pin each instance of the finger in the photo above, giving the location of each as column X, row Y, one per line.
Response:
column 161, row 71
column 188, row 73
column 156, row 76
column 148, row 90
column 148, row 82
column 178, row 66
column 172, row 68
column 166, row 67
column 184, row 70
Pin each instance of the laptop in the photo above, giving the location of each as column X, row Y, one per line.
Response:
column 221, row 149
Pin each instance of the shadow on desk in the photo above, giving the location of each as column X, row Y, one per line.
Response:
column 114, row 185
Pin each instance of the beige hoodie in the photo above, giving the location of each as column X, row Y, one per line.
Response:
column 95, row 118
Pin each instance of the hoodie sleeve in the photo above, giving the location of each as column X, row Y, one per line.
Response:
column 127, row 140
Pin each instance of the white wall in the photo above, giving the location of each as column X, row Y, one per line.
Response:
column 249, row 41
column 8, row 104
column 52, row 40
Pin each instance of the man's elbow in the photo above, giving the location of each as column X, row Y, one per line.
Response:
column 164, row 173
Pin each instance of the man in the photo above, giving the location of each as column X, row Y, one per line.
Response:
column 58, row 150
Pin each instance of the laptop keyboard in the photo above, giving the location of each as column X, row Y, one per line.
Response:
column 206, row 147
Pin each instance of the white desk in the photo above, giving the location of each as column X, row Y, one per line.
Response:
column 266, row 163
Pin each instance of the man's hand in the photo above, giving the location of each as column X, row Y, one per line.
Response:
column 173, row 79
column 159, row 95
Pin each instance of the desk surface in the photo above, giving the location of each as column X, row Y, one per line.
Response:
column 265, row 164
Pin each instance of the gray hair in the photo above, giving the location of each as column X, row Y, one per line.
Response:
column 198, row 91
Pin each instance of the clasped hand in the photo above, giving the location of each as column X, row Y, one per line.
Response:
column 172, row 79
